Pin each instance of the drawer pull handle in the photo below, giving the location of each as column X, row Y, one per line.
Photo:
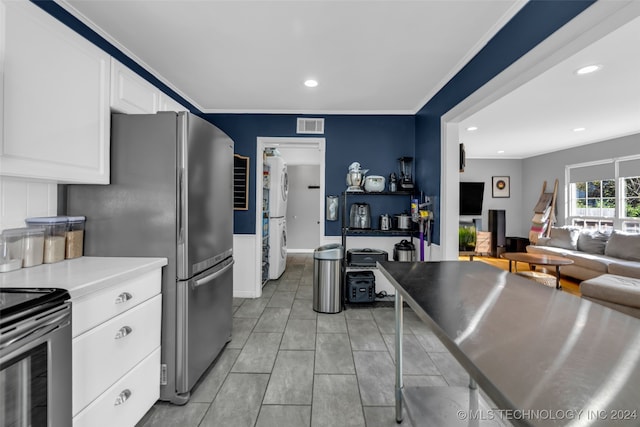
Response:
column 123, row 297
column 122, row 397
column 123, row 332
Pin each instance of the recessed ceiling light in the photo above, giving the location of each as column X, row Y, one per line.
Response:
column 472, row 128
column 500, row 151
column 588, row 69
column 311, row 83
column 579, row 129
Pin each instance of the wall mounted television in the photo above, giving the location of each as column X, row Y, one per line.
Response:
column 471, row 196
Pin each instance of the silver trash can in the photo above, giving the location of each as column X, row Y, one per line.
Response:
column 327, row 278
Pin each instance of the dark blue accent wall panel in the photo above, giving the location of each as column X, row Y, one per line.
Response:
column 374, row 141
column 537, row 20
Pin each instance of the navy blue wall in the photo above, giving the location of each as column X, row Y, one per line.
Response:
column 374, row 141
column 533, row 23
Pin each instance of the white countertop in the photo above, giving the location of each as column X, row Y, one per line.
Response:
column 80, row 276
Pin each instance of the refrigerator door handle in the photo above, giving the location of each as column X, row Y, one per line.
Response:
column 181, row 203
column 207, row 279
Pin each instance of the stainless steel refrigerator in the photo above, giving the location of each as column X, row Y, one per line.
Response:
column 170, row 196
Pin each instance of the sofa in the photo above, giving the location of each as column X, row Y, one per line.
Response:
column 593, row 253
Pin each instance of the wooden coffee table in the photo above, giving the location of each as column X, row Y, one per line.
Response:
column 537, row 259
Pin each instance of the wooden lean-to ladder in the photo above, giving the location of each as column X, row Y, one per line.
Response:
column 544, row 214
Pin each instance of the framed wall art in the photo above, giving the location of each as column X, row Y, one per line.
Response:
column 500, row 186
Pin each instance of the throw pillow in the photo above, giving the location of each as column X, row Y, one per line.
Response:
column 564, row 237
column 592, row 242
column 624, row 246
column 543, row 241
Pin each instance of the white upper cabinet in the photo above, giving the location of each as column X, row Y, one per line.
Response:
column 56, row 99
column 130, row 93
column 169, row 104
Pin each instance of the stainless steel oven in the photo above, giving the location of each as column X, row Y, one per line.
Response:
column 35, row 358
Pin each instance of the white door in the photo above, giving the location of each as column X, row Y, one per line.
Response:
column 303, row 211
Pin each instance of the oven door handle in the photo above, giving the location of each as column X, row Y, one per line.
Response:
column 49, row 326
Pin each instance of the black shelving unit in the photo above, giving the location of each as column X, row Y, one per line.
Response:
column 346, row 231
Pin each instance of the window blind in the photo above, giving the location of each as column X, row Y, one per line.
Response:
column 629, row 168
column 592, row 172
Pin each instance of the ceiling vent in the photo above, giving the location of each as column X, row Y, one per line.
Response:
column 308, row 125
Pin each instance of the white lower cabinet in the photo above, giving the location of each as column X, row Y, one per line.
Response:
column 125, row 402
column 93, row 310
column 116, row 352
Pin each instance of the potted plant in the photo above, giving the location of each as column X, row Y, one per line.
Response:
column 466, row 238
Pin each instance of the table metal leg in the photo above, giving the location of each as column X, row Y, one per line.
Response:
column 399, row 332
column 558, row 277
column 510, row 268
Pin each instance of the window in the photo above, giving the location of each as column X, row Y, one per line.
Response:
column 594, row 198
column 593, row 204
column 631, row 197
column 605, row 195
column 631, row 204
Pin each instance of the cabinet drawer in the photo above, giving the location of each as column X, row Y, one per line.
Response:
column 97, row 308
column 105, row 353
column 141, row 385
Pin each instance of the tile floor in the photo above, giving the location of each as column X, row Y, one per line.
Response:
column 290, row 366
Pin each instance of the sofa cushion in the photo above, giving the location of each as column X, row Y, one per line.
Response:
column 625, row 268
column 597, row 263
column 564, row 237
column 624, row 246
column 613, row 288
column 543, row 241
column 592, row 242
column 537, row 249
column 592, row 262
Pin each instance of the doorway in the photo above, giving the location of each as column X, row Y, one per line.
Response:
column 303, row 211
column 306, row 158
column 590, row 25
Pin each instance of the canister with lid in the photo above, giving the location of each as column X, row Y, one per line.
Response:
column 74, row 237
column 54, row 236
column 11, row 249
column 32, row 246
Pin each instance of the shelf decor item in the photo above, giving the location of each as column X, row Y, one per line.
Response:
column 500, row 187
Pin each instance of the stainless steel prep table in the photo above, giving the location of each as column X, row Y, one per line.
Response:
column 544, row 357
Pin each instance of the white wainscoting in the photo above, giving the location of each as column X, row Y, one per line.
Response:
column 246, row 280
column 20, row 199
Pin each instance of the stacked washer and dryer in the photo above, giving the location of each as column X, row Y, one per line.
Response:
column 279, row 192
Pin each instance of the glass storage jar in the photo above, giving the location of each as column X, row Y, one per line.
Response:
column 54, row 236
column 11, row 249
column 32, row 246
column 74, row 237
